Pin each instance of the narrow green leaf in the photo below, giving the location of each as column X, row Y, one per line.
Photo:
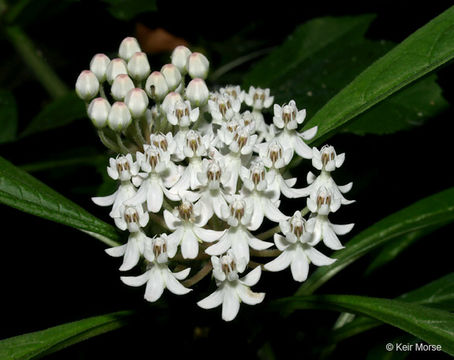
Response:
column 431, row 325
column 8, row 116
column 60, row 112
column 37, row 344
column 422, row 52
column 22, row 191
column 127, row 9
column 436, row 294
column 430, row 211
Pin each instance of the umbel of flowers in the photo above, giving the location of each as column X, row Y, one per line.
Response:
column 206, row 168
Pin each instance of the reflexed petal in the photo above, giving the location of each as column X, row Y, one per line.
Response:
column 309, row 134
column 183, row 274
column 171, row 220
column 221, row 246
column 105, row 200
column 189, row 245
column 136, row 280
column 174, row 286
column 290, row 192
column 120, row 223
column 155, row 197
column 258, row 244
column 301, row 148
column 207, row 235
column 248, row 296
column 340, row 160
column 240, row 249
column 290, row 182
column 299, row 266
column 281, row 262
column 173, row 240
column 155, row 286
column 330, row 239
column 317, row 257
column 281, row 242
column 342, row 229
column 345, row 188
column 116, row 251
column 310, row 178
column 272, row 212
column 257, row 215
column 230, row 305
column 132, row 256
column 252, row 277
column 212, row 301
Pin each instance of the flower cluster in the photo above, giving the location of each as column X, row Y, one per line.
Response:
column 209, row 170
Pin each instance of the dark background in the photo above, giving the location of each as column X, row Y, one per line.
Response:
column 53, row 274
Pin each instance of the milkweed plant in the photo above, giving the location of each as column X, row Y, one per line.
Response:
column 207, row 166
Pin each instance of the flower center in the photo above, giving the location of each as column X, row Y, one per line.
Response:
column 159, row 247
column 185, row 210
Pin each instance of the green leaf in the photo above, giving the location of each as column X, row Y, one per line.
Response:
column 128, row 9
column 422, row 52
column 8, row 116
column 60, row 112
column 431, row 325
column 437, row 294
column 307, row 66
column 22, row 191
column 425, row 213
column 37, row 344
column 408, row 108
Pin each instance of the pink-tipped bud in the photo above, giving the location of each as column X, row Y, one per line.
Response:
column 128, row 47
column 120, row 87
column 98, row 112
column 156, row 86
column 137, row 102
column 119, row 117
column 116, row 67
column 98, row 65
column 87, row 85
column 179, row 58
column 172, row 76
column 197, row 92
column 198, row 65
column 138, row 66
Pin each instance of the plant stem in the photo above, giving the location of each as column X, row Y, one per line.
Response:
column 199, row 276
column 265, row 253
column 34, row 60
column 122, row 146
column 107, row 142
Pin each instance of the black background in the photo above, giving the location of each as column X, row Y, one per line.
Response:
column 53, row 274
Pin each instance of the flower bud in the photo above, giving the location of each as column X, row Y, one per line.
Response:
column 179, row 58
column 197, row 92
column 120, row 87
column 138, row 66
column 172, row 76
column 116, row 67
column 128, row 47
column 137, row 102
column 87, row 85
column 119, row 117
column 198, row 65
column 98, row 112
column 170, row 101
column 98, row 65
column 156, row 86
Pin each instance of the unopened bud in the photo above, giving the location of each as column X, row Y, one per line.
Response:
column 138, row 66
column 198, row 65
column 98, row 65
column 98, row 112
column 119, row 117
column 120, row 87
column 156, row 86
column 87, row 85
column 197, row 92
column 170, row 100
column 179, row 58
column 137, row 102
column 116, row 67
column 128, row 47
column 172, row 76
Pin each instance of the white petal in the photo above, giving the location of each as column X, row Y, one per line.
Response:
column 301, row 148
column 290, row 192
column 105, row 200
column 299, row 266
column 272, row 212
column 340, row 160
column 212, row 301
column 116, row 251
column 248, row 296
column 221, row 246
column 317, row 257
column 173, row 240
column 154, row 197
column 171, row 220
column 281, row 242
column 136, row 280
column 174, row 285
column 342, row 229
column 330, row 239
column 132, row 256
column 230, row 305
column 189, row 245
column 309, row 134
column 155, row 286
column 258, row 244
column 345, row 188
column 281, row 262
column 240, row 249
column 207, row 235
column 257, row 215
column 252, row 277
column 183, row 274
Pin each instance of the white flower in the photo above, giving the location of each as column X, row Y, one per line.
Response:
column 165, row 143
column 158, row 275
column 234, row 91
column 275, row 157
column 238, row 215
column 223, row 108
column 231, row 290
column 187, row 226
column 122, row 168
column 132, row 218
column 288, row 118
column 258, row 98
column 160, row 174
column 256, row 188
column 297, row 248
column 326, row 231
column 326, row 159
column 182, row 114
